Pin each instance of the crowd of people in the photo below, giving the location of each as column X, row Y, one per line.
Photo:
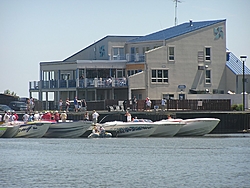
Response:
column 9, row 117
column 79, row 105
column 46, row 116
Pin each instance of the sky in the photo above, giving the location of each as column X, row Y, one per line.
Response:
column 34, row 31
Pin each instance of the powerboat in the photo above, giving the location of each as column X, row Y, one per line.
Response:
column 141, row 128
column 2, row 130
column 165, row 128
column 12, row 129
column 33, row 129
column 197, row 126
column 67, row 129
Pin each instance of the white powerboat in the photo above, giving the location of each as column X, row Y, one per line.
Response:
column 2, row 130
column 33, row 129
column 165, row 128
column 12, row 129
column 130, row 129
column 198, row 126
column 67, row 129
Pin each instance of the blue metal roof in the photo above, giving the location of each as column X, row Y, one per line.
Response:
column 176, row 31
column 235, row 65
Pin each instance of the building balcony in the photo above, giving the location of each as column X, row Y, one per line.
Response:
column 78, row 83
column 129, row 57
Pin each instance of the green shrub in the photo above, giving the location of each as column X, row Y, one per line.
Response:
column 237, row 107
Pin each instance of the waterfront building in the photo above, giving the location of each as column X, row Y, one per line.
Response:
column 179, row 62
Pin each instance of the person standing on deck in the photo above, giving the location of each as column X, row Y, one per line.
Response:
column 76, row 104
column 163, row 103
column 128, row 116
column 95, row 116
column 63, row 116
column 60, row 104
column 67, row 103
column 134, row 103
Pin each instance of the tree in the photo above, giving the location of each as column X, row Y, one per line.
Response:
column 7, row 92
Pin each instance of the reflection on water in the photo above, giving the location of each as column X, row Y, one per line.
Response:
column 209, row 161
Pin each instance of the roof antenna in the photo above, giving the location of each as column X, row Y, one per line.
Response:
column 175, row 19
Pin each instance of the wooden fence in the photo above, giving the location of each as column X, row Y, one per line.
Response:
column 185, row 105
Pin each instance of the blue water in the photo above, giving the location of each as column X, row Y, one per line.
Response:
column 212, row 161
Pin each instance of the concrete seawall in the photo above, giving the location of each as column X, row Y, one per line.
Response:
column 230, row 121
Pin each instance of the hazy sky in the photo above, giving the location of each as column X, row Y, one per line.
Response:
column 33, row 31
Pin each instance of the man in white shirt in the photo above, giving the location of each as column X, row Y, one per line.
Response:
column 6, row 117
column 37, row 116
column 163, row 103
column 25, row 117
column 95, row 116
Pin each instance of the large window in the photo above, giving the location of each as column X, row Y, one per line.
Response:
column 207, row 53
column 131, row 72
column 159, row 76
column 208, row 77
column 118, row 53
column 144, row 49
column 65, row 76
column 171, row 53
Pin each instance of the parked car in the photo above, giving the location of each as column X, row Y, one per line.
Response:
column 6, row 108
column 18, row 105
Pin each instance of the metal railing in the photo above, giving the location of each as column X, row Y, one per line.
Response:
column 79, row 83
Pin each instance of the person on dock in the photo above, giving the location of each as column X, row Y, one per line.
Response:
column 63, row 116
column 148, row 104
column 163, row 103
column 25, row 117
column 134, row 103
column 84, row 105
column 37, row 116
column 76, row 104
column 67, row 104
column 56, row 116
column 128, row 115
column 86, row 116
column 95, row 116
column 60, row 105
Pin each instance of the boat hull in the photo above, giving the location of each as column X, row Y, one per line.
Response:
column 2, row 130
column 165, row 128
column 34, row 129
column 198, row 126
column 12, row 129
column 68, row 129
column 130, row 129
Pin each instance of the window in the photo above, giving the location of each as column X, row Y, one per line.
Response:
column 65, row 76
column 207, row 54
column 119, row 73
column 168, row 96
column 159, row 76
column 144, row 49
column 137, row 50
column 171, row 53
column 48, row 75
column 208, row 77
column 118, row 53
column 131, row 72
